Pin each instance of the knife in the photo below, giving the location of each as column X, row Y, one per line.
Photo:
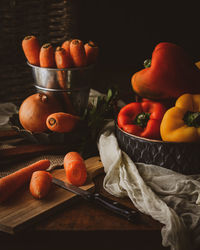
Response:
column 113, row 206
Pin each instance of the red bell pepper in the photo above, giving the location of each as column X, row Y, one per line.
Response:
column 142, row 119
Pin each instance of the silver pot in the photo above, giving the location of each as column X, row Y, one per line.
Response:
column 73, row 83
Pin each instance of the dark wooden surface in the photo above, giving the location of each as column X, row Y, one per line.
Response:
column 84, row 224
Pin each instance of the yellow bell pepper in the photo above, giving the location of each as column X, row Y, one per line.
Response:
column 181, row 123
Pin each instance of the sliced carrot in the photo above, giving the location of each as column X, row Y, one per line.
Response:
column 40, row 184
column 77, row 52
column 47, row 57
column 66, row 47
column 75, row 169
column 62, row 122
column 92, row 52
column 31, row 48
column 10, row 183
column 62, row 58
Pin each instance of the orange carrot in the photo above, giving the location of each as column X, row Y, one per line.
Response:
column 66, row 47
column 40, row 184
column 10, row 183
column 62, row 122
column 77, row 52
column 62, row 58
column 92, row 52
column 75, row 169
column 31, row 48
column 47, row 57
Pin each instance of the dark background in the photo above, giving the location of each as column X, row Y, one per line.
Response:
column 125, row 31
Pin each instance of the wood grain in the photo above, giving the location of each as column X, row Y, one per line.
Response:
column 22, row 209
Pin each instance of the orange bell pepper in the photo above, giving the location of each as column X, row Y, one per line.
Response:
column 169, row 74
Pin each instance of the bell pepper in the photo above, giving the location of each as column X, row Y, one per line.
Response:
column 142, row 119
column 169, row 74
column 181, row 123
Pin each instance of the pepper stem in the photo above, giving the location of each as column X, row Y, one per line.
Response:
column 142, row 119
column 192, row 119
column 147, row 63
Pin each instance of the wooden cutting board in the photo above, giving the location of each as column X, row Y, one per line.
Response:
column 21, row 210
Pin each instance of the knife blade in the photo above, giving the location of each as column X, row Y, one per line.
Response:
column 107, row 203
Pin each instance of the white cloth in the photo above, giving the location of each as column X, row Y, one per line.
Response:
column 172, row 199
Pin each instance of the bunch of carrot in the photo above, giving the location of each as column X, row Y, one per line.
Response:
column 40, row 180
column 72, row 53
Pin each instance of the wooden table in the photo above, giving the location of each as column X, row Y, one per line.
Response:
column 84, row 225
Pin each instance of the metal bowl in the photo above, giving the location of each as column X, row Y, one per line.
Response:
column 74, row 83
column 180, row 157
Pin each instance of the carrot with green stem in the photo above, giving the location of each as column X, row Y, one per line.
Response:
column 47, row 56
column 92, row 52
column 40, row 184
column 77, row 52
column 10, row 183
column 75, row 169
column 62, row 122
column 31, row 48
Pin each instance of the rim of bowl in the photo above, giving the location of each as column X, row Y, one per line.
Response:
column 153, row 140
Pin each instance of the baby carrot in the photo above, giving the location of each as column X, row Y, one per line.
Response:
column 31, row 48
column 77, row 52
column 75, row 169
column 40, row 184
column 66, row 47
column 92, row 52
column 62, row 122
column 47, row 57
column 10, row 183
column 62, row 58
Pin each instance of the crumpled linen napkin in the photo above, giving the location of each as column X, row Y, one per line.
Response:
column 169, row 197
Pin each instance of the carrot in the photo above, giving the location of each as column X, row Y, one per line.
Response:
column 62, row 122
column 66, row 47
column 77, row 52
column 47, row 57
column 40, row 184
column 75, row 169
column 92, row 52
column 62, row 58
column 31, row 48
column 10, row 183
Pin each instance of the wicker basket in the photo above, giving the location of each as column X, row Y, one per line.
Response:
column 180, row 157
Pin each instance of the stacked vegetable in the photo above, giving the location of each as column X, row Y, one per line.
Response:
column 72, row 53
column 41, row 112
column 169, row 86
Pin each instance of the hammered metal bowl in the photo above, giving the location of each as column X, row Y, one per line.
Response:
column 183, row 158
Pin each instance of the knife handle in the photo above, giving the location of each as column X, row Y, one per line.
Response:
column 116, row 207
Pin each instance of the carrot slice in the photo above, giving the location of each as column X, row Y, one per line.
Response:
column 47, row 57
column 62, row 122
column 10, row 183
column 40, row 184
column 75, row 169
column 62, row 58
column 31, row 48
column 77, row 52
column 92, row 52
